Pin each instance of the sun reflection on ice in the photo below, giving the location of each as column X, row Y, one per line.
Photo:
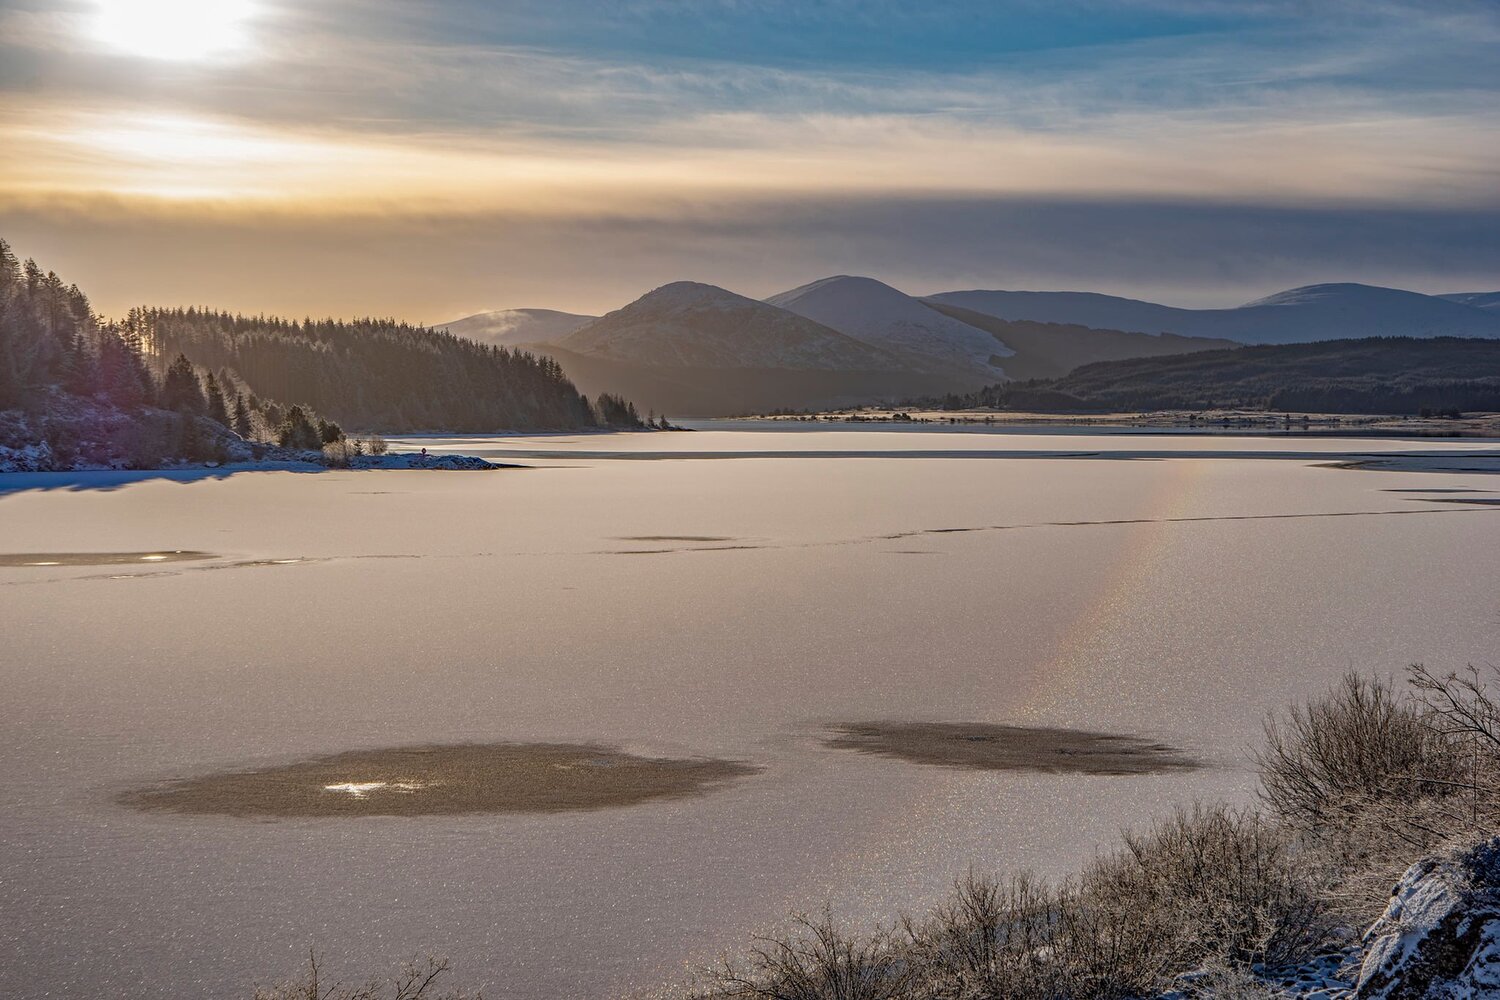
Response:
column 361, row 789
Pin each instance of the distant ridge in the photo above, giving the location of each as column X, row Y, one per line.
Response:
column 1368, row 375
column 1297, row 315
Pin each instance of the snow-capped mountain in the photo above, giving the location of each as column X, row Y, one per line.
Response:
column 1312, row 312
column 887, row 318
column 509, row 327
column 691, row 325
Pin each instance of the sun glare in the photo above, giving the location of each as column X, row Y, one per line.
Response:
column 182, row 30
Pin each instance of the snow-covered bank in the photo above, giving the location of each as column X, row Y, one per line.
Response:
column 23, row 471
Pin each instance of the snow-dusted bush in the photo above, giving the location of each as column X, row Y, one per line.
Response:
column 340, row 454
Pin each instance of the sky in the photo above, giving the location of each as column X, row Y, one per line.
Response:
column 426, row 159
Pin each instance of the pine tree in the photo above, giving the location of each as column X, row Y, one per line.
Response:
column 180, row 390
column 241, row 425
column 297, row 431
column 216, row 409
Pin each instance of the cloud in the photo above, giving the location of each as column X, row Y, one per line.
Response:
column 563, row 152
column 437, row 267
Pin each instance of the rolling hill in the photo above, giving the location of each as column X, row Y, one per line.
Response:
column 877, row 314
column 1298, row 315
column 1479, row 300
column 1047, row 350
column 1370, row 375
column 691, row 349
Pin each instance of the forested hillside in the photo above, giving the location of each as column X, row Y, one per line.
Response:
column 1372, row 375
column 380, row 374
column 79, row 391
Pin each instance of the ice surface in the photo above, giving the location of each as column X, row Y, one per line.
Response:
column 729, row 605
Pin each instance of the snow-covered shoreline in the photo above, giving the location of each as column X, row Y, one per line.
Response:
column 21, row 470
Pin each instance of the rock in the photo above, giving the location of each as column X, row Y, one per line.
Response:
column 1439, row 938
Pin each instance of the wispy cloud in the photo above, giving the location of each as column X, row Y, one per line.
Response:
column 694, row 125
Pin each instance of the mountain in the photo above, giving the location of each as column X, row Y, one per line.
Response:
column 691, row 349
column 688, row 324
column 1047, row 350
column 1370, row 375
column 884, row 317
column 509, row 327
column 1479, row 300
column 1309, row 313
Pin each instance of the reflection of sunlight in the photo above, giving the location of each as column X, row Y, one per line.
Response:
column 360, row 789
column 182, row 30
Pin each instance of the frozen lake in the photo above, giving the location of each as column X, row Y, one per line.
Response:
column 725, row 593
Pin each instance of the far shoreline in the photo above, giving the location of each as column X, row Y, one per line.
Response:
column 1475, row 425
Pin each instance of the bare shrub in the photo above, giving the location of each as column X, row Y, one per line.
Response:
column 1210, row 883
column 1377, row 777
column 418, row 979
column 1331, row 758
column 376, row 445
column 993, row 939
column 1209, row 887
column 817, row 961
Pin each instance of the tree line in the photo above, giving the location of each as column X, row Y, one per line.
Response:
column 385, row 374
column 164, row 384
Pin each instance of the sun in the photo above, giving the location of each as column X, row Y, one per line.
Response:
column 180, row 30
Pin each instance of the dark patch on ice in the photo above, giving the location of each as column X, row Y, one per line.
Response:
column 1472, row 501
column 675, row 549
column 154, row 558
column 986, row 747
column 1440, row 489
column 444, row 781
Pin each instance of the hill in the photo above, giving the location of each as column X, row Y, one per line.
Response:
column 80, row 392
column 688, row 324
column 1298, row 315
column 513, row 327
column 691, row 349
column 1372, row 375
column 379, row 374
column 1048, row 350
column 884, row 317
column 1479, row 300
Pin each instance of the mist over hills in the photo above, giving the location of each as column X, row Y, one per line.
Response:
column 512, row 327
column 692, row 349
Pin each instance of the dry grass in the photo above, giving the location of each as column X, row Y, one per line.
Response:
column 1357, row 785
